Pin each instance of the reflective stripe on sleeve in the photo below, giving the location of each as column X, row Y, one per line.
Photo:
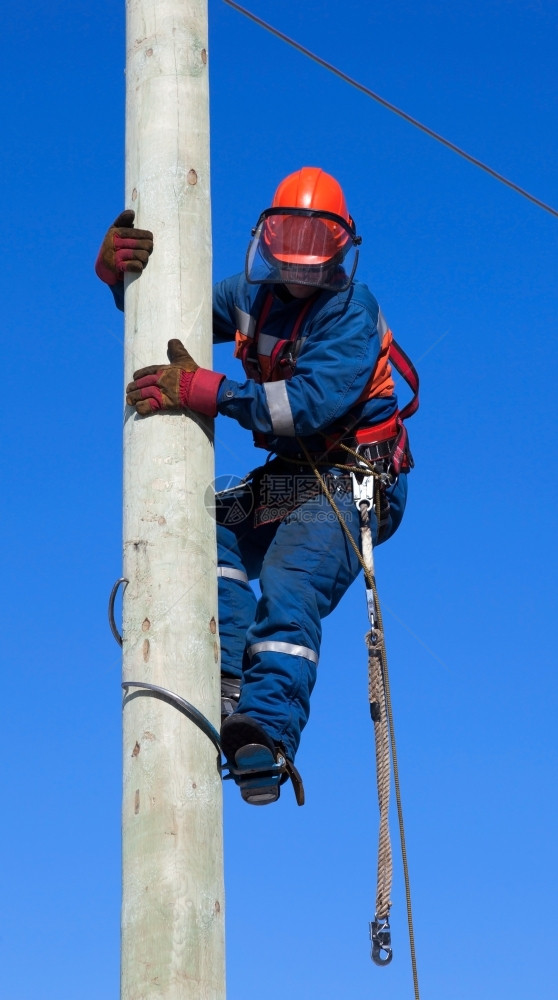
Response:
column 232, row 574
column 382, row 325
column 266, row 343
column 282, row 647
column 279, row 409
column 246, row 323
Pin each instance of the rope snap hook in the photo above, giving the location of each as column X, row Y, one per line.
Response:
column 380, row 936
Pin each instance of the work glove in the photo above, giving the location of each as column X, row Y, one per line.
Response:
column 180, row 385
column 123, row 249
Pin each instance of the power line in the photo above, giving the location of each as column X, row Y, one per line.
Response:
column 392, row 107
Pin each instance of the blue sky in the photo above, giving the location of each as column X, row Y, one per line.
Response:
column 465, row 271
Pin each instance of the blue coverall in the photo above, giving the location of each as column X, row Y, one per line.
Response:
column 303, row 560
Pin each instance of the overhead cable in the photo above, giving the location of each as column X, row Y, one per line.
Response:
column 392, row 107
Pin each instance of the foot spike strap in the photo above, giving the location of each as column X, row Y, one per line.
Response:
column 259, row 772
column 296, row 779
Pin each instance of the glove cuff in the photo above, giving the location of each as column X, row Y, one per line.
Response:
column 104, row 273
column 200, row 390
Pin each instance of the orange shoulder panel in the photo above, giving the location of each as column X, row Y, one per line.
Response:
column 381, row 381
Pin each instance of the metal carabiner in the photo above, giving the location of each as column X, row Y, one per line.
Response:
column 380, row 936
column 363, row 491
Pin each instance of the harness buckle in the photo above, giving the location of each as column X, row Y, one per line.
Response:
column 380, row 457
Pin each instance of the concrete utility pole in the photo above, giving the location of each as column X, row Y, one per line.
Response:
column 172, row 907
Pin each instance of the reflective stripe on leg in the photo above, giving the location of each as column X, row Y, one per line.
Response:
column 282, row 647
column 232, row 574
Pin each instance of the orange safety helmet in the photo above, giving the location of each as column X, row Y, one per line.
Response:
column 312, row 188
column 306, row 235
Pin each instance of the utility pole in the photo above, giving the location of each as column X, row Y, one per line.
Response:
column 172, row 904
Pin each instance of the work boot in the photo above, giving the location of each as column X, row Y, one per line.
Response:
column 230, row 693
column 255, row 763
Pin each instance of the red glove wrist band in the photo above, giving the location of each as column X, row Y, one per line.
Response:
column 199, row 390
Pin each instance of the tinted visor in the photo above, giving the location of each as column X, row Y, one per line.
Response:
column 293, row 246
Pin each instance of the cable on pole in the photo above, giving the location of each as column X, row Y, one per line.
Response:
column 392, row 107
column 112, row 598
column 187, row 709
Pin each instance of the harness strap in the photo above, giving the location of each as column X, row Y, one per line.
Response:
column 391, row 434
column 407, row 370
column 272, row 368
column 393, row 430
column 263, row 315
column 244, row 342
column 388, row 439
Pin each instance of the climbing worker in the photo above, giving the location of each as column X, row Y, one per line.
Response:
column 318, row 395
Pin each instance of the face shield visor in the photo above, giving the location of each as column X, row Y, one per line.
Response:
column 299, row 246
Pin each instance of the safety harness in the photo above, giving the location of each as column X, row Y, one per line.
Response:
column 387, row 441
column 279, row 361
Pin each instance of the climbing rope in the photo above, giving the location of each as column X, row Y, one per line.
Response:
column 378, row 713
column 376, row 640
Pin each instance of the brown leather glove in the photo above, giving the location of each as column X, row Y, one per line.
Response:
column 180, row 385
column 163, row 387
column 123, row 249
